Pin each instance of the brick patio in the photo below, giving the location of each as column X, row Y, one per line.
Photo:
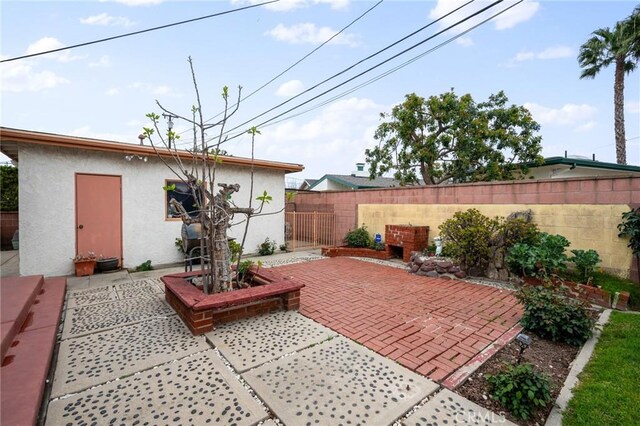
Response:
column 430, row 325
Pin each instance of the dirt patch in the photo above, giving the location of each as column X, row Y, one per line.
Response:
column 551, row 358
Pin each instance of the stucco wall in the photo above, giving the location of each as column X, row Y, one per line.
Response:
column 586, row 226
column 47, row 207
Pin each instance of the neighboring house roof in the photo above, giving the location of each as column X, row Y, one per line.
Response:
column 585, row 162
column 10, row 138
column 307, row 183
column 566, row 167
column 358, row 182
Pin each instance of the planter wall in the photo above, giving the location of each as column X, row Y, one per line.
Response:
column 200, row 312
column 591, row 294
column 85, row 267
column 356, row 252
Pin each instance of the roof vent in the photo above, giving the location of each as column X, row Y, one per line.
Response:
column 360, row 171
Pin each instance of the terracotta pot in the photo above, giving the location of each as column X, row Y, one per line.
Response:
column 84, row 267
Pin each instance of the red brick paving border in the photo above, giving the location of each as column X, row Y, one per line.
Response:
column 433, row 326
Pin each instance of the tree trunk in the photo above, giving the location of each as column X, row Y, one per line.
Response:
column 618, row 104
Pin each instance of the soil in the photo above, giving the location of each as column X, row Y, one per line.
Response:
column 551, row 358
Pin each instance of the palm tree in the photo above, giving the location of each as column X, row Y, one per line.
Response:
column 620, row 46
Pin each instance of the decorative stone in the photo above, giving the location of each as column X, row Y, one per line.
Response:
column 460, row 274
column 432, row 274
column 444, row 264
column 415, row 268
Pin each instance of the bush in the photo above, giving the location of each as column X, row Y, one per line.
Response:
column 243, row 268
column 8, row 188
column 359, row 237
column 518, row 230
column 144, row 266
column 630, row 227
column 467, row 236
column 555, row 317
column 542, row 259
column 520, row 389
column 235, row 249
column 267, row 247
column 585, row 261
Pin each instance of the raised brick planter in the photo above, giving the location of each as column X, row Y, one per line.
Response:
column 356, row 252
column 200, row 312
column 591, row 294
column 409, row 238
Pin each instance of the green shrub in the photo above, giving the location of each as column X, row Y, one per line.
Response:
column 585, row 261
column 542, row 259
column 8, row 188
column 467, row 236
column 283, row 247
column 359, row 237
column 520, row 389
column 555, row 317
column 630, row 227
column 518, row 230
column 144, row 266
column 267, row 247
column 234, row 249
column 243, row 268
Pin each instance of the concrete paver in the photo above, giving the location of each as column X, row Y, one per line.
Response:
column 338, row 382
column 100, row 357
column 195, row 390
column 448, row 408
column 254, row 341
column 430, row 325
column 93, row 318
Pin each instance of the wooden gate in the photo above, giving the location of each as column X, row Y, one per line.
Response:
column 309, row 230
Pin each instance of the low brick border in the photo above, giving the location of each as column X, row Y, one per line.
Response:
column 343, row 251
column 200, row 311
column 591, row 294
column 461, row 375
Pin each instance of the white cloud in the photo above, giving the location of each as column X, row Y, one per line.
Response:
column 287, row 5
column 586, row 126
column 137, row 2
column 310, row 33
column 51, row 43
column 87, row 132
column 290, row 88
column 159, row 90
column 555, row 52
column 509, row 19
column 107, row 20
column 465, row 41
column 567, row 115
column 20, row 76
column 112, row 92
column 518, row 14
column 332, row 141
column 632, row 106
column 104, row 61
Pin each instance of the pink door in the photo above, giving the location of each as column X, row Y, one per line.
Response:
column 99, row 215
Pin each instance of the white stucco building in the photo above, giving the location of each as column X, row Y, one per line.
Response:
column 71, row 186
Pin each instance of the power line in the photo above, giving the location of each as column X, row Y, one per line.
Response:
column 391, row 71
column 365, row 71
column 301, row 59
column 371, row 56
column 140, row 32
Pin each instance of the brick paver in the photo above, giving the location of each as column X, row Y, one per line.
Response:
column 430, row 325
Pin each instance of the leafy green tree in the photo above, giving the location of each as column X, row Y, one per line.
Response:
column 619, row 46
column 9, row 188
column 451, row 138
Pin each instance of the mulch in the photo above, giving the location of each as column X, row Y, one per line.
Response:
column 551, row 358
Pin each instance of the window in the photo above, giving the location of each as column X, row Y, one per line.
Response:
column 181, row 194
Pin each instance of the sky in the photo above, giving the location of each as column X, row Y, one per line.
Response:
column 104, row 90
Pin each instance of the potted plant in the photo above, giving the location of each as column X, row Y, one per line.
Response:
column 85, row 265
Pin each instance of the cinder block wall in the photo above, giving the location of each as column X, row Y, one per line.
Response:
column 585, row 210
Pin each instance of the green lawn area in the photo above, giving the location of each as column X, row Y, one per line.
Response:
column 612, row 283
column 608, row 392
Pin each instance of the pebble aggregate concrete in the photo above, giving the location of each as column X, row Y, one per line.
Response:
column 448, row 408
column 195, row 390
column 338, row 382
column 254, row 341
column 97, row 358
column 120, row 348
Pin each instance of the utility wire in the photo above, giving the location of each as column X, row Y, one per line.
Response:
column 140, row 32
column 391, row 71
column 301, row 59
column 363, row 72
column 369, row 57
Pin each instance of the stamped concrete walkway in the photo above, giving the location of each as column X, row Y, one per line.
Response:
column 430, row 325
column 125, row 358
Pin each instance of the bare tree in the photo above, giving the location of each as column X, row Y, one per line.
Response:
column 213, row 213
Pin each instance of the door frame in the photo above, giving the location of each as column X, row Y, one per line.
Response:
column 75, row 183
